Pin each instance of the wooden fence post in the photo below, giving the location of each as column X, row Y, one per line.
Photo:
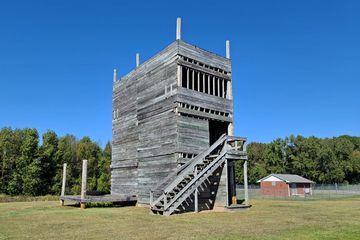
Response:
column 83, row 184
column 246, row 191
column 63, row 184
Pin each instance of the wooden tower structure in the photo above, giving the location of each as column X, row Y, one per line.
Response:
column 173, row 143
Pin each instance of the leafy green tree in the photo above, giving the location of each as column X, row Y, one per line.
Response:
column 48, row 161
column 32, row 180
column 275, row 156
column 90, row 151
column 353, row 176
column 6, row 157
column 25, row 177
column 256, row 164
column 104, row 169
column 66, row 153
column 13, row 183
column 303, row 155
column 28, row 165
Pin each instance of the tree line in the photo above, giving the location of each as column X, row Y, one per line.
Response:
column 28, row 168
column 322, row 160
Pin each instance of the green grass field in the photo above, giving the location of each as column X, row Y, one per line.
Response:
column 267, row 219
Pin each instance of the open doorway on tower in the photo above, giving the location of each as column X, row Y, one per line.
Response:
column 216, row 129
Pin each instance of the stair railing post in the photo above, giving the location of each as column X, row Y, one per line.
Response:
column 165, row 202
column 83, row 184
column 63, row 185
column 196, row 205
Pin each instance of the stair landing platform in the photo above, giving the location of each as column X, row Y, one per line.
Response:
column 100, row 198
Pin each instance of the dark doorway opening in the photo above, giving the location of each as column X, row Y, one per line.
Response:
column 216, row 129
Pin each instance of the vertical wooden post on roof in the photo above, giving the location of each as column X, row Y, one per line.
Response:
column 63, row 184
column 246, row 191
column 178, row 28
column 83, row 184
column 114, row 77
column 227, row 49
column 137, row 60
column 229, row 94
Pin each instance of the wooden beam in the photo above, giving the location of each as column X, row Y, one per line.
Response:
column 198, row 81
column 246, row 191
column 229, row 90
column 137, row 60
column 227, row 49
column 63, row 184
column 208, row 80
column 204, row 70
column 114, row 77
column 213, row 81
column 204, row 114
column 223, row 88
column 187, row 77
column 178, row 28
column 196, row 194
column 179, row 75
column 203, row 90
column 83, row 184
column 193, row 79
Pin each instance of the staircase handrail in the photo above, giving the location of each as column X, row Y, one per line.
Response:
column 199, row 156
column 199, row 175
column 196, row 161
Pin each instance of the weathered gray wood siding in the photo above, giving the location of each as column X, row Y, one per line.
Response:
column 204, row 56
column 125, row 138
column 193, row 135
column 144, row 128
column 149, row 133
column 194, row 132
column 221, row 199
column 157, row 126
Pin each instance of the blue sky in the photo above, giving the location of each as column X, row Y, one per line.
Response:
column 296, row 64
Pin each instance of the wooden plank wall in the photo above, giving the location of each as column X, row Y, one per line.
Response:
column 157, row 127
column 193, row 135
column 197, row 130
column 125, row 138
column 204, row 56
column 144, row 128
column 148, row 134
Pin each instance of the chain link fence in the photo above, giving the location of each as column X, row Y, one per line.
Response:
column 319, row 191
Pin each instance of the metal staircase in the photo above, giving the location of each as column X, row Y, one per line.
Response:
column 179, row 187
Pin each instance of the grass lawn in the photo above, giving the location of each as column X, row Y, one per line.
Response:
column 267, row 219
